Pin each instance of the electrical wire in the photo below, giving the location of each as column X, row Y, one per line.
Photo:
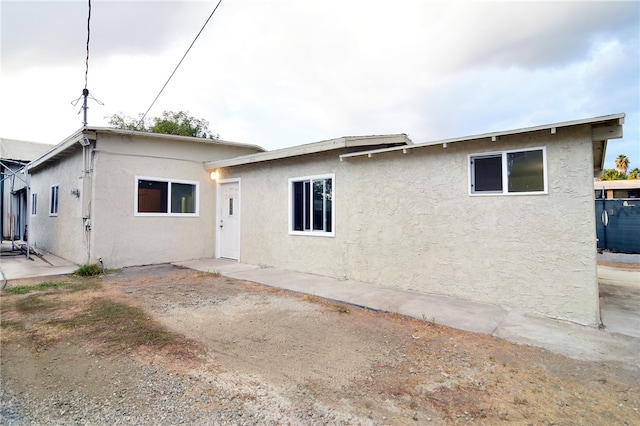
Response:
column 177, row 66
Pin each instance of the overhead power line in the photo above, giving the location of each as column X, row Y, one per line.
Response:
column 177, row 66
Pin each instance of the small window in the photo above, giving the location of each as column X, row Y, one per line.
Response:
column 156, row 196
column 509, row 172
column 53, row 200
column 311, row 205
column 34, row 203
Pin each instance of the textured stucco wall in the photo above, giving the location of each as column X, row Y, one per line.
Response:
column 62, row 235
column 264, row 217
column 123, row 239
column 408, row 221
column 116, row 235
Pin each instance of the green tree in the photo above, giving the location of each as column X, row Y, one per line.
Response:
column 634, row 174
column 171, row 123
column 121, row 121
column 181, row 123
column 612, row 174
column 622, row 164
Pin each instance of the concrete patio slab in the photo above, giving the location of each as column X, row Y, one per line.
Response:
column 223, row 266
column 14, row 265
column 575, row 341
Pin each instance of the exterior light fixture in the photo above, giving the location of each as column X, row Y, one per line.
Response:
column 214, row 175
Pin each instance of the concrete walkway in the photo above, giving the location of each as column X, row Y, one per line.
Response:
column 569, row 339
column 14, row 265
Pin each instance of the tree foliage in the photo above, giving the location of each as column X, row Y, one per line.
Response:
column 612, row 174
column 622, row 164
column 121, row 121
column 620, row 172
column 170, row 123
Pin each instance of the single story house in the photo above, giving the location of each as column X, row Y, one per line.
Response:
column 504, row 218
column 129, row 198
column 14, row 156
column 617, row 189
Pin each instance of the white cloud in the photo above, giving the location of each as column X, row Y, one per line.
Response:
column 282, row 72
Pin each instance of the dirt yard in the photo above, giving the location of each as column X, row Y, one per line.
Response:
column 163, row 345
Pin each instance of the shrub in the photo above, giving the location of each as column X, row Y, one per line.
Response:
column 88, row 270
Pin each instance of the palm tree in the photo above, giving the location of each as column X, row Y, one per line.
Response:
column 622, row 163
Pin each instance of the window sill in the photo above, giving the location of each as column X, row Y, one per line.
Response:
column 313, row 234
column 507, row 194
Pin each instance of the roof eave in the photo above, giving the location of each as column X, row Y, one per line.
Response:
column 57, row 150
column 311, row 148
column 91, row 132
column 611, row 130
column 123, row 132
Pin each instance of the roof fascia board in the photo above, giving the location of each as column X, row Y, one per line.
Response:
column 617, row 184
column 278, row 154
column 311, row 148
column 57, row 149
column 123, row 132
column 92, row 132
column 495, row 135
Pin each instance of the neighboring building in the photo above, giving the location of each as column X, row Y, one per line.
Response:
column 14, row 156
column 617, row 189
column 130, row 198
column 504, row 218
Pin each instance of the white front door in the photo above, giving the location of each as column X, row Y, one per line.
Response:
column 229, row 220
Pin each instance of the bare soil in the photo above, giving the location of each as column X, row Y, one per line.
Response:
column 303, row 359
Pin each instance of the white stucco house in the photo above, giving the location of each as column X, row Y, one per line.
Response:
column 505, row 217
column 129, row 198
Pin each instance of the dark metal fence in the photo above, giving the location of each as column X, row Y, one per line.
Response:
column 618, row 225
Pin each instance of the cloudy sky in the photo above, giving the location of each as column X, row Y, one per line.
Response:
column 279, row 73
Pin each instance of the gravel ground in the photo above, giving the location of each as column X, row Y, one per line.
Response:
column 245, row 354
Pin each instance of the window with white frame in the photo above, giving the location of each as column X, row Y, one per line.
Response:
column 509, row 172
column 53, row 200
column 162, row 197
column 34, row 203
column 311, row 205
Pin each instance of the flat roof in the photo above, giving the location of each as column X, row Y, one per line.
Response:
column 59, row 150
column 617, row 184
column 610, row 128
column 313, row 148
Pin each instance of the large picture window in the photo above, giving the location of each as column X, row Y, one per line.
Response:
column 157, row 197
column 53, row 200
column 509, row 172
column 311, row 205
